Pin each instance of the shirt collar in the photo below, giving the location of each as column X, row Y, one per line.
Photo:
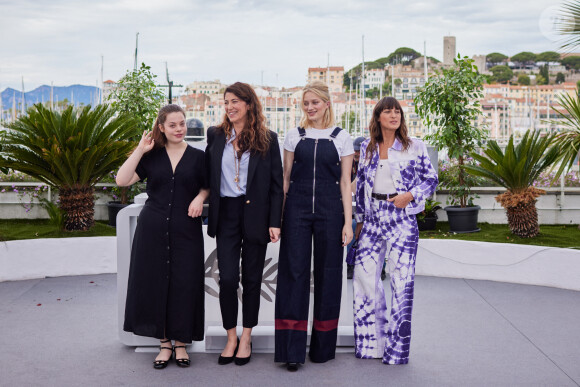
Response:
column 232, row 136
column 397, row 145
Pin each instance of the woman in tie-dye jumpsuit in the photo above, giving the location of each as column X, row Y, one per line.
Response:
column 387, row 229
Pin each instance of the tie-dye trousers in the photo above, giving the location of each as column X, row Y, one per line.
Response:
column 389, row 233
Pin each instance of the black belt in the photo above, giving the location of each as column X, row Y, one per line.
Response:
column 383, row 196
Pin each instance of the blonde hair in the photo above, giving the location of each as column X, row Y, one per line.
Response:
column 321, row 90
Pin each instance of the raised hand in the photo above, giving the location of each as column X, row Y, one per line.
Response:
column 147, row 142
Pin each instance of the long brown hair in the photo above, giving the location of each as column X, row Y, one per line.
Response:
column 254, row 136
column 158, row 135
column 375, row 126
column 320, row 89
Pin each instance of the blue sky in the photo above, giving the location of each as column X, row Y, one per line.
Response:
column 62, row 41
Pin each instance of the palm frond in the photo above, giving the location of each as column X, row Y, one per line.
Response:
column 518, row 166
column 568, row 24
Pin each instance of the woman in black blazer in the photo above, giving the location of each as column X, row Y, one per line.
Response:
column 245, row 175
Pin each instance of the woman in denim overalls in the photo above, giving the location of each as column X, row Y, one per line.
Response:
column 318, row 207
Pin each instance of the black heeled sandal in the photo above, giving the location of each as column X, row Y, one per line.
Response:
column 181, row 362
column 160, row 364
column 223, row 360
column 244, row 360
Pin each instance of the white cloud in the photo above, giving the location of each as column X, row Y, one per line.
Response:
column 62, row 41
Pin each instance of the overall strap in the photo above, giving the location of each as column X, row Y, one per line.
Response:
column 335, row 132
column 302, row 132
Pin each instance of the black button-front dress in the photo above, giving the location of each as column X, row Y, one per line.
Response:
column 165, row 294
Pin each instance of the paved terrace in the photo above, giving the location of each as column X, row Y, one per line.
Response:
column 63, row 332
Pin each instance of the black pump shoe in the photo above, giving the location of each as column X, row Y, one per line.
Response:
column 160, row 364
column 185, row 362
column 244, row 360
column 223, row 360
column 292, row 367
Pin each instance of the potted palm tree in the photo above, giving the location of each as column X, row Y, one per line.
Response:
column 516, row 169
column 71, row 151
column 449, row 104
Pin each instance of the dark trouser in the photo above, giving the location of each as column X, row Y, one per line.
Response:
column 302, row 226
column 230, row 240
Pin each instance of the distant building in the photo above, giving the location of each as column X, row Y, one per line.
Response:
column 108, row 88
column 480, row 61
column 449, row 50
column 333, row 76
column 205, row 87
column 374, row 78
column 407, row 80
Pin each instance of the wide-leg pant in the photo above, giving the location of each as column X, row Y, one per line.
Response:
column 389, row 234
column 230, row 241
column 301, row 229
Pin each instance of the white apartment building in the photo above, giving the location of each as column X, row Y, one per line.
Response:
column 374, row 78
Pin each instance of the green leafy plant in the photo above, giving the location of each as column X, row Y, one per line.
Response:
column 449, row 103
column 431, row 207
column 137, row 94
column 72, row 151
column 568, row 140
column 56, row 215
column 517, row 169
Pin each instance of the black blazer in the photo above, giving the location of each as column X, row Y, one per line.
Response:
column 264, row 191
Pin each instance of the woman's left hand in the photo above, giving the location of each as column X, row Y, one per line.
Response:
column 274, row 234
column 346, row 234
column 401, row 201
column 195, row 207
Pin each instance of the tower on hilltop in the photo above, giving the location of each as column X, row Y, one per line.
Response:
column 448, row 50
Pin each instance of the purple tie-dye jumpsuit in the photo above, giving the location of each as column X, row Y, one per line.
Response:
column 388, row 233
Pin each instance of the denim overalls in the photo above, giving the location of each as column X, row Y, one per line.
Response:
column 313, row 211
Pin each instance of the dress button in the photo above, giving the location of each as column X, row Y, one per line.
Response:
column 167, row 247
column 169, row 203
column 337, row 182
column 247, row 202
column 173, row 178
column 168, row 261
column 337, row 163
column 171, row 191
column 167, row 233
column 167, row 218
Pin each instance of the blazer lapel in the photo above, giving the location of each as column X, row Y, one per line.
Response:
column 254, row 156
column 219, row 153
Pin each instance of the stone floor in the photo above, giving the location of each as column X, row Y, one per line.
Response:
column 63, row 332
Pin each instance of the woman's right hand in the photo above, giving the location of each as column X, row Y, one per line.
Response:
column 357, row 230
column 147, row 142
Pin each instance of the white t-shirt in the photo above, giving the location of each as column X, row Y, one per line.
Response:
column 342, row 142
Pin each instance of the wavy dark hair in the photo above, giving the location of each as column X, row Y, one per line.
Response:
column 254, row 136
column 158, row 135
column 376, row 134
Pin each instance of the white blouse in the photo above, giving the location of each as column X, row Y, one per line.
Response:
column 383, row 179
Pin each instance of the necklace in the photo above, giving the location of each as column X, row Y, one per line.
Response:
column 236, row 168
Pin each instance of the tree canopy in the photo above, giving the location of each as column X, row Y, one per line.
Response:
column 548, row 56
column 524, row 79
column 501, row 73
column 572, row 62
column 524, row 57
column 496, row 57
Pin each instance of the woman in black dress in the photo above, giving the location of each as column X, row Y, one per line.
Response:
column 245, row 209
column 165, row 294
